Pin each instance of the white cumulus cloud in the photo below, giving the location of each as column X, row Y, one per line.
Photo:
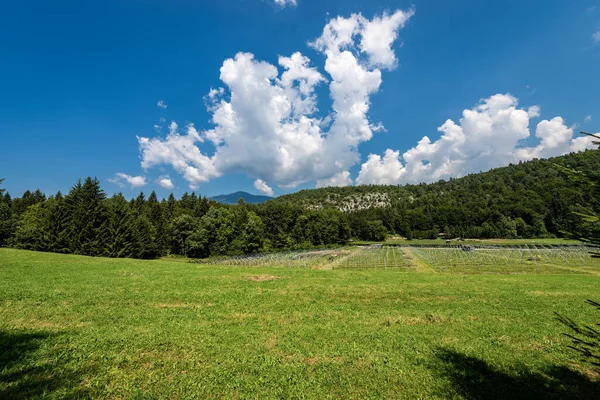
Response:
column 165, row 182
column 339, row 179
column 161, row 104
column 284, row 3
column 266, row 120
column 588, row 118
column 596, row 37
column 378, row 171
column 122, row 179
column 262, row 186
column 489, row 135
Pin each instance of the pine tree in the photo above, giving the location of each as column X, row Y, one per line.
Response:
column 145, row 239
column 56, row 224
column 7, row 222
column 20, row 205
column 88, row 218
column 154, row 213
column 138, row 206
column 120, row 238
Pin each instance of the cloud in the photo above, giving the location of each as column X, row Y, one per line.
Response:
column 489, row 135
column 161, row 104
column 596, row 37
column 378, row 171
column 121, row 179
column 284, row 3
column 181, row 152
column 534, row 111
column 378, row 36
column 588, row 118
column 266, row 120
column 339, row 179
column 262, row 186
column 165, row 182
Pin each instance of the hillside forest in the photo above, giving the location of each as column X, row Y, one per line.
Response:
column 533, row 199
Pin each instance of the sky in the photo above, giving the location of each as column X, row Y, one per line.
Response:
column 275, row 96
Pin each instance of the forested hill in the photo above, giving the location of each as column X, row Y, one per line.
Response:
column 521, row 184
column 233, row 198
column 531, row 199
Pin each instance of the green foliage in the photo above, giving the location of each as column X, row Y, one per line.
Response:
column 181, row 228
column 145, row 245
column 375, row 231
column 525, row 201
column 87, row 218
column 30, row 233
column 533, row 198
column 7, row 220
column 586, row 339
column 253, row 234
column 216, row 231
column 120, row 229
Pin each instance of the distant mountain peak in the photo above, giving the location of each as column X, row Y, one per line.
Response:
column 233, row 198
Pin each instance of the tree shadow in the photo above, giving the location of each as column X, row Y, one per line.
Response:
column 25, row 375
column 474, row 378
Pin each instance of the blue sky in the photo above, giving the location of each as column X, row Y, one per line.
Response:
column 80, row 82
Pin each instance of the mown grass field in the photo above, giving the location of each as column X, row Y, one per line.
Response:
column 74, row 327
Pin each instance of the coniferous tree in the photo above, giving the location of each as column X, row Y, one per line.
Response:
column 7, row 222
column 56, row 224
column 120, row 229
column 138, row 205
column 87, row 218
column 145, row 245
column 154, row 213
column 20, row 205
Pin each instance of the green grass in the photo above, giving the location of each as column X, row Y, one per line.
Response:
column 74, row 326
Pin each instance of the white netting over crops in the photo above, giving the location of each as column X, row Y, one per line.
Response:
column 451, row 259
column 501, row 259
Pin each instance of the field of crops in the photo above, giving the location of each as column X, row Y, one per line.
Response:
column 447, row 259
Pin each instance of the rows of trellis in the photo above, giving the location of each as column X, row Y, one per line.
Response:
column 497, row 259
column 460, row 259
column 377, row 257
column 292, row 259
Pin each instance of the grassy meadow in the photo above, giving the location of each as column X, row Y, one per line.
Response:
column 80, row 327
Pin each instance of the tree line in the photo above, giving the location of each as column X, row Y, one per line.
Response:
column 85, row 221
column 528, row 200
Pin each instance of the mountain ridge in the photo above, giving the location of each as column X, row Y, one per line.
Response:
column 233, row 198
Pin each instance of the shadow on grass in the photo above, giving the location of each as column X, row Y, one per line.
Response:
column 473, row 378
column 24, row 374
